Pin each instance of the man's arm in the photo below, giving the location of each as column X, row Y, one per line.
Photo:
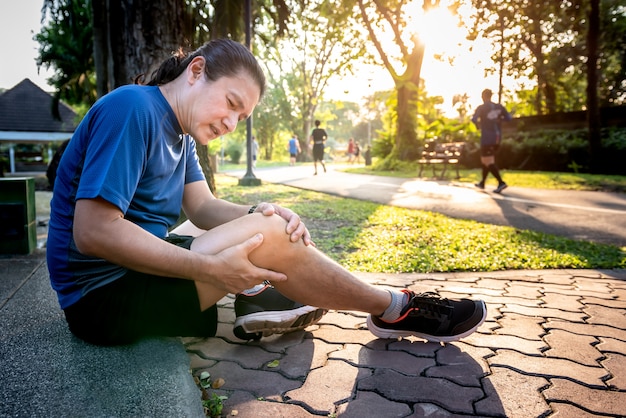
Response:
column 476, row 117
column 100, row 230
column 205, row 211
column 506, row 116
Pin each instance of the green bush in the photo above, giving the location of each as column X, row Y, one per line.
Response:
column 234, row 150
column 555, row 150
column 382, row 146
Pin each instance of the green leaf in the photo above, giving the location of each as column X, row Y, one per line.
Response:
column 273, row 364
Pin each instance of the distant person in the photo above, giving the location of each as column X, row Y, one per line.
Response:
column 367, row 155
column 357, row 151
column 318, row 138
column 294, row 149
column 351, row 150
column 487, row 118
column 255, row 150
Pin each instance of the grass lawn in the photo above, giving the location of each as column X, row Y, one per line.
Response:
column 370, row 237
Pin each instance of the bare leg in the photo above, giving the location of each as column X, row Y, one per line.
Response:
column 489, row 166
column 313, row 278
column 487, row 160
column 318, row 282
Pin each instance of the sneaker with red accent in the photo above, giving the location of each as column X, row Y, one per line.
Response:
column 265, row 311
column 429, row 316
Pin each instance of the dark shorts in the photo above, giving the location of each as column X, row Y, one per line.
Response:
column 489, row 150
column 140, row 305
column 318, row 152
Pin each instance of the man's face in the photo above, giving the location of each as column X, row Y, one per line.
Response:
column 215, row 107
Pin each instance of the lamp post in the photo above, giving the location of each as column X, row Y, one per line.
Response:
column 369, row 116
column 249, row 178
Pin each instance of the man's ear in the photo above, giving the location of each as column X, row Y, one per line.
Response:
column 195, row 69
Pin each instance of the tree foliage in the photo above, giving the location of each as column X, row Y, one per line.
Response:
column 270, row 122
column 573, row 49
column 612, row 52
column 323, row 41
column 305, row 43
column 403, row 62
column 547, row 42
column 65, row 45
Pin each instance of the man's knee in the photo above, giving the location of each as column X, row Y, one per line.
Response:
column 277, row 244
column 487, row 161
column 273, row 227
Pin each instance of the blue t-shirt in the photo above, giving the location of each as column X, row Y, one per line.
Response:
column 130, row 151
column 488, row 117
column 293, row 146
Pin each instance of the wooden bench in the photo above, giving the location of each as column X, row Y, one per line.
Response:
column 441, row 153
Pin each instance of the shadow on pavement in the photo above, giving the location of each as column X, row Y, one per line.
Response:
column 341, row 368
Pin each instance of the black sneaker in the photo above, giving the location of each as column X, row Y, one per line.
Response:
column 268, row 312
column 433, row 318
column 480, row 185
column 500, row 187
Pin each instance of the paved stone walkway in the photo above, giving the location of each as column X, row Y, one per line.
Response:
column 553, row 344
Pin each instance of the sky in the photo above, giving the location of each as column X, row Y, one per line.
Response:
column 19, row 21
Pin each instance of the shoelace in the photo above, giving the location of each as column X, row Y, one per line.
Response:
column 429, row 305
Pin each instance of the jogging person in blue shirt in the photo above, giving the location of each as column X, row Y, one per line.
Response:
column 487, row 118
column 294, row 149
column 122, row 272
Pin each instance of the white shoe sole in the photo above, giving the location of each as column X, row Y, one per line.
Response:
column 392, row 333
column 280, row 322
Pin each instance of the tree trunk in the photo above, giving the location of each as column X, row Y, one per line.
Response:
column 100, row 48
column 406, row 138
column 593, row 110
column 141, row 38
column 407, row 147
column 134, row 38
column 550, row 94
column 207, row 167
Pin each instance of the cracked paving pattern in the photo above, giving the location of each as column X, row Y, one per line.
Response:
column 553, row 344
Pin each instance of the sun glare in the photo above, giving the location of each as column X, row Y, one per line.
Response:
column 437, row 29
column 452, row 65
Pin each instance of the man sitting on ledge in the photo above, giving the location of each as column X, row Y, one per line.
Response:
column 121, row 274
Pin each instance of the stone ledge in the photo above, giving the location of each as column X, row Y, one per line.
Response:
column 46, row 371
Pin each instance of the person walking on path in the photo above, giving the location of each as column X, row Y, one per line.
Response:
column 121, row 270
column 294, row 149
column 351, row 150
column 487, row 118
column 255, row 150
column 318, row 138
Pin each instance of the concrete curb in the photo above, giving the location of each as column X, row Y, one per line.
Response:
column 46, row 371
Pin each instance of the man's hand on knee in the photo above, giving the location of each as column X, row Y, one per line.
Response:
column 295, row 227
column 237, row 272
